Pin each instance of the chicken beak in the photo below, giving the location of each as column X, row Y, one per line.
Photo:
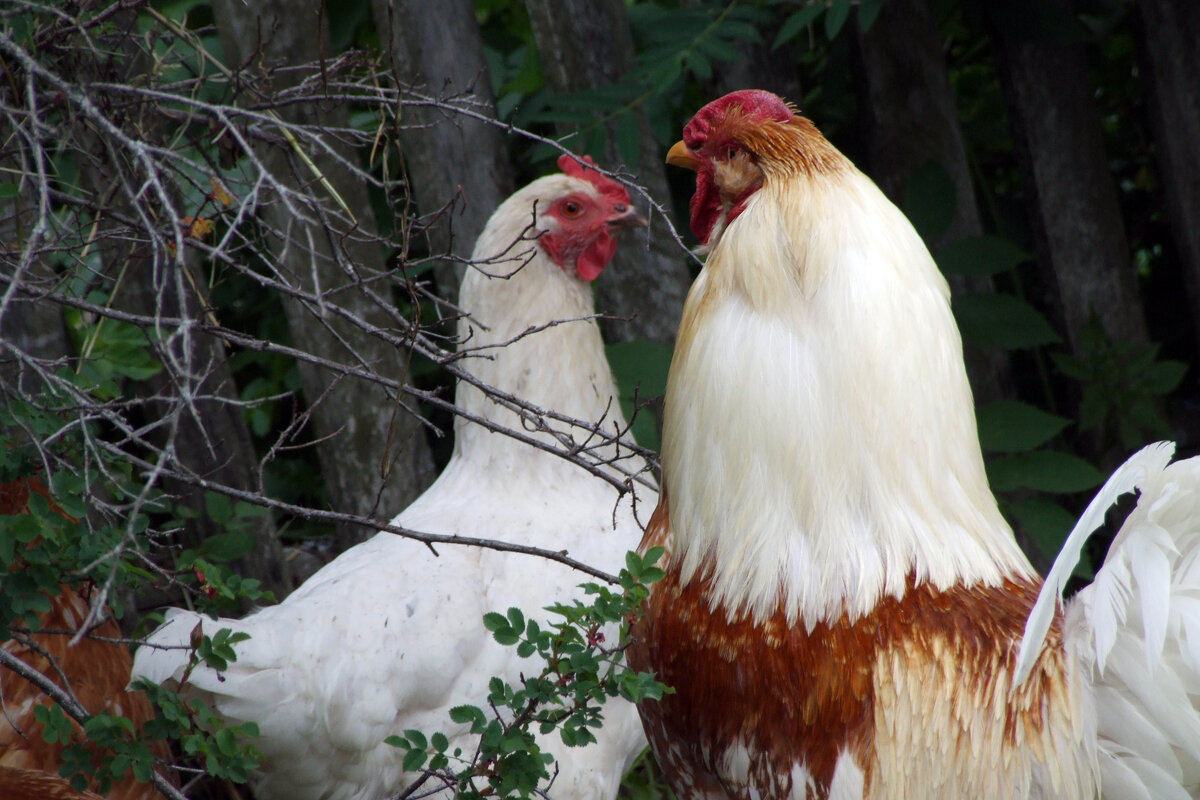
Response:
column 681, row 156
column 631, row 218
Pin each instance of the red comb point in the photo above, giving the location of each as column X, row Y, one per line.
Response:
column 604, row 184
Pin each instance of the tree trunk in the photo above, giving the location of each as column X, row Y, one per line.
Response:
column 32, row 325
column 912, row 120
column 451, row 160
column 374, row 457
column 1169, row 33
column 209, row 437
column 585, row 44
column 1072, row 203
column 193, row 398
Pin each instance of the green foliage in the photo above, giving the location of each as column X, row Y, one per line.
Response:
column 997, row 320
column 579, row 671
column 1010, row 426
column 202, row 734
column 1123, row 384
column 641, row 371
column 674, row 46
column 986, row 254
column 836, row 12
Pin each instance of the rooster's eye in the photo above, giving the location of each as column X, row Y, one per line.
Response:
column 730, row 154
column 571, row 208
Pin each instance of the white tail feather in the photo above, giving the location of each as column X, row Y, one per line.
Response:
column 1148, row 461
column 1136, row 629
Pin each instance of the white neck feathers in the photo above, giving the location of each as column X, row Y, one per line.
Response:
column 820, row 444
column 561, row 368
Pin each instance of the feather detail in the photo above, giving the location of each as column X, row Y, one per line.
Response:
column 1131, row 475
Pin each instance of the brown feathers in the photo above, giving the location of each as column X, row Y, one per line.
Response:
column 25, row 784
column 95, row 671
column 795, row 698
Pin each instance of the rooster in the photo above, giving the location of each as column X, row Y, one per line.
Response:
column 388, row 636
column 94, row 670
column 845, row 613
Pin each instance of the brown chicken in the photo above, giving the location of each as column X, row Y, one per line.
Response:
column 97, row 673
column 845, row 613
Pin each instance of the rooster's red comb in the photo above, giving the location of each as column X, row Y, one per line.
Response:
column 604, row 184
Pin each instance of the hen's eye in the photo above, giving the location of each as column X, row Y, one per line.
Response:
column 571, row 208
column 729, row 154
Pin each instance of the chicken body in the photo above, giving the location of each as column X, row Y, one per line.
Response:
column 95, row 671
column 844, row 603
column 389, row 636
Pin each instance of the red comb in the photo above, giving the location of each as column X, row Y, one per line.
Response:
column 604, row 184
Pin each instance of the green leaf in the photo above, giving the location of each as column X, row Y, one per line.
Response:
column 416, row 739
column 1162, row 378
column 218, row 506
column 835, row 18
column 1008, row 426
column 414, row 760
column 993, row 320
column 698, row 63
column 494, row 621
column 1072, row 367
column 1048, row 525
column 467, row 714
column 1043, row 470
column 980, row 255
column 868, row 11
column 225, row 547
column 641, row 369
column 629, row 139
column 797, row 22
column 506, row 637
column 718, row 49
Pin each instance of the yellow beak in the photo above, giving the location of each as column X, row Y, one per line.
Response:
column 680, row 156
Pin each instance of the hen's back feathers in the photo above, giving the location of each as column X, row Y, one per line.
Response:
column 389, row 636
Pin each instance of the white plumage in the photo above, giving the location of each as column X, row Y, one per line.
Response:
column 844, row 611
column 1136, row 628
column 389, row 636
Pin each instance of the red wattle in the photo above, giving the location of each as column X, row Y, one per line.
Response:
column 705, row 206
column 595, row 257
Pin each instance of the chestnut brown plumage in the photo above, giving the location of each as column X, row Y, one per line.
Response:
column 97, row 673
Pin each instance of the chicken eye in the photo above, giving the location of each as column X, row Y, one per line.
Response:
column 730, row 153
column 571, row 208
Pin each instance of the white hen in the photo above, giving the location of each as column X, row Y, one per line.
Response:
column 389, row 636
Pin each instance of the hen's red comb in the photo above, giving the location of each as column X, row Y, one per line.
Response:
column 604, row 184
